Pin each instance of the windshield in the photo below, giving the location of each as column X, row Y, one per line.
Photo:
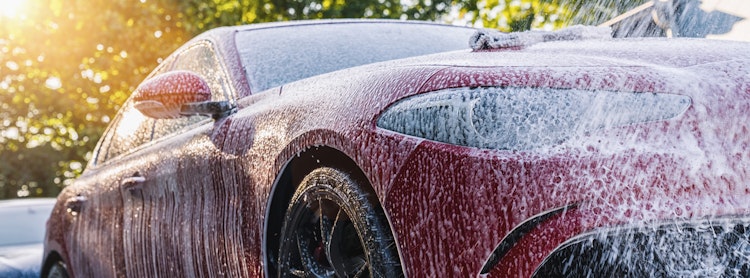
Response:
column 278, row 55
column 23, row 224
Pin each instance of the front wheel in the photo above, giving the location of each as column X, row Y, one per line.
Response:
column 58, row 270
column 332, row 228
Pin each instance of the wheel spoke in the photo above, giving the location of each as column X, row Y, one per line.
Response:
column 325, row 225
column 331, row 230
column 327, row 240
column 361, row 269
column 307, row 258
column 298, row 273
column 320, row 208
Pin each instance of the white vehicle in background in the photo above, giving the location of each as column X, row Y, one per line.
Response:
column 22, row 225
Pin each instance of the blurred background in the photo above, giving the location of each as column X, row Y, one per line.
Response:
column 66, row 66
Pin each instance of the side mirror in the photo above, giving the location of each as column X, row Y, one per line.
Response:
column 163, row 96
column 178, row 93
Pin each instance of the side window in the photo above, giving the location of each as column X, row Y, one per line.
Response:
column 201, row 59
column 128, row 121
column 132, row 129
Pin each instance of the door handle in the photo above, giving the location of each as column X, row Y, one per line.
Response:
column 75, row 204
column 133, row 183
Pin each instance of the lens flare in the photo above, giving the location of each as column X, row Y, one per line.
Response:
column 11, row 8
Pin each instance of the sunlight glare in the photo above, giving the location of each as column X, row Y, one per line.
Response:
column 11, row 8
column 129, row 128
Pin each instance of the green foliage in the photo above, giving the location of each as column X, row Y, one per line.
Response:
column 66, row 66
column 522, row 15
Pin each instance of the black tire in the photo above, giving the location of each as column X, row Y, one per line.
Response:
column 332, row 228
column 57, row 270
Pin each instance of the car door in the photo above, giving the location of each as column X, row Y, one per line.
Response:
column 95, row 205
column 172, row 224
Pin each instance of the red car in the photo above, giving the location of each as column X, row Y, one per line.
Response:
column 312, row 149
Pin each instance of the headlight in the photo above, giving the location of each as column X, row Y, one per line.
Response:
column 523, row 118
column 711, row 248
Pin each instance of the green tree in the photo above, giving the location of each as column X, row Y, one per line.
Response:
column 66, row 66
column 521, row 15
column 506, row 15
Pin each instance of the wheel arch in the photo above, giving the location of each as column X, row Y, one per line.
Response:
column 286, row 183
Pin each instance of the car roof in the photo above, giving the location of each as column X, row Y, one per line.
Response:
column 333, row 21
column 226, row 32
column 655, row 54
column 677, row 52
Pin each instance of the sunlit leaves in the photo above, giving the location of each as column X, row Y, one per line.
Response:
column 64, row 71
column 520, row 15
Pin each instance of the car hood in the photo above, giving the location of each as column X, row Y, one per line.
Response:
column 21, row 260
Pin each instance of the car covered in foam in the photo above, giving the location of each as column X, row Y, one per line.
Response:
column 388, row 148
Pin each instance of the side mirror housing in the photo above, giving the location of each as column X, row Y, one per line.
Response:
column 163, row 96
column 179, row 93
